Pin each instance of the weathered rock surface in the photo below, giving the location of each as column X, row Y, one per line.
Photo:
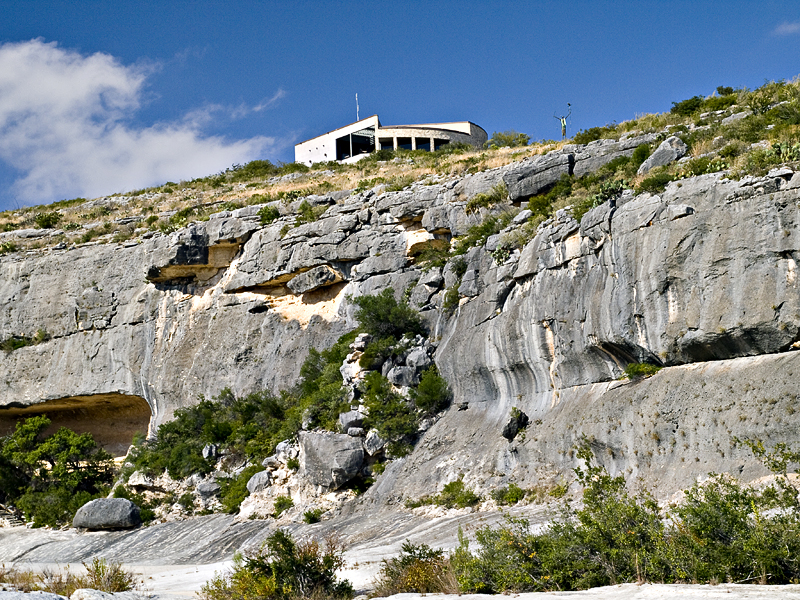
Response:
column 107, row 513
column 700, row 279
column 669, row 151
column 330, row 459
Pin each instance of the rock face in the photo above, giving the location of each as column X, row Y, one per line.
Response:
column 669, row 151
column 330, row 459
column 107, row 513
column 700, row 279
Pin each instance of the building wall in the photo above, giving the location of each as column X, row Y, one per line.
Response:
column 323, row 148
column 427, row 136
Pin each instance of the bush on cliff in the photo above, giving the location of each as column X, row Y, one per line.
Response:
column 49, row 477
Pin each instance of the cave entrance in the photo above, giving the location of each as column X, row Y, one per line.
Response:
column 112, row 419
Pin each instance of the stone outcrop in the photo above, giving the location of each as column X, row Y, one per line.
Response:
column 701, row 274
column 107, row 513
column 328, row 459
column 668, row 152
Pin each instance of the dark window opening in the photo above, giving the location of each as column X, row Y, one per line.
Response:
column 343, row 147
column 404, row 143
column 424, row 144
column 387, row 144
column 439, row 143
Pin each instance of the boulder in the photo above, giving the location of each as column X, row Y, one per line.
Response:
column 351, row 418
column 402, row 376
column 669, row 151
column 208, row 488
column 355, row 432
column 329, row 460
column 418, row 359
column 373, row 443
column 107, row 513
column 210, row 451
column 517, row 421
column 535, row 175
column 313, row 279
column 139, row 479
column 259, row 482
column 361, row 342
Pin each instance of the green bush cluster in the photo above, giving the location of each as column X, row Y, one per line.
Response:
column 453, row 495
column 419, row 569
column 47, row 220
column 510, row 494
column 49, row 477
column 281, row 505
column 15, row 342
column 251, row 426
column 641, row 370
column 722, row 531
column 497, row 195
column 508, row 138
column 283, row 569
column 268, row 214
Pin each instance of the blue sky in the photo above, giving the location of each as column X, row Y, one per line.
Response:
column 99, row 97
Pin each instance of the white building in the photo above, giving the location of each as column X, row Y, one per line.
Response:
column 354, row 141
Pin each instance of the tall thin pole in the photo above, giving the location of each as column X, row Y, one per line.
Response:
column 356, row 107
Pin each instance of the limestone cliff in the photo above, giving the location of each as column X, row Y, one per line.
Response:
column 701, row 279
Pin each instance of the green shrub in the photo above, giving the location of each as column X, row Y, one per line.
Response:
column 187, row 502
column 268, row 214
column 283, row 569
column 453, row 495
column 47, row 220
column 497, row 195
column 508, row 138
column 282, row 504
column 293, row 464
column 595, row 133
column 146, row 507
column 510, row 494
column 50, row 477
column 641, row 370
column 308, row 213
column 233, row 490
column 640, row 154
column 655, row 183
column 478, row 234
column 382, row 316
column 8, row 248
column 389, row 413
column 419, row 569
column 313, row 515
column 686, row 108
column 722, row 531
column 252, row 425
column 432, row 395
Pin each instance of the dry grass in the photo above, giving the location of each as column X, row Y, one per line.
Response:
column 77, row 215
column 100, row 575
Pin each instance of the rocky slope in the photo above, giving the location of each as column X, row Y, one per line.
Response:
column 701, row 279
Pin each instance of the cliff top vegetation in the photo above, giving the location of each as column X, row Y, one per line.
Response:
column 736, row 130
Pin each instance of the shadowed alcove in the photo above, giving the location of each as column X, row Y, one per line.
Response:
column 112, row 419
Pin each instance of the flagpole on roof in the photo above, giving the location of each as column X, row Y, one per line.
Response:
column 356, row 107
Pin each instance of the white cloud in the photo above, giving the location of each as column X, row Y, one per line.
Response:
column 787, row 28
column 65, row 125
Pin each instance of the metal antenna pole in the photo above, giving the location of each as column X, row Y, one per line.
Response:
column 356, row 107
